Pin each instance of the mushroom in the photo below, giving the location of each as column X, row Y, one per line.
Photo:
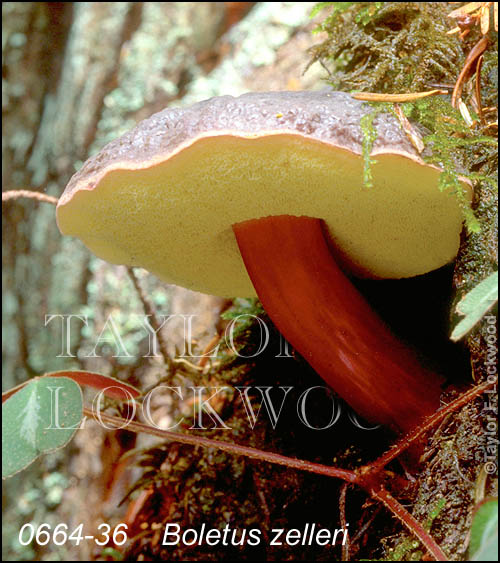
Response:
column 263, row 195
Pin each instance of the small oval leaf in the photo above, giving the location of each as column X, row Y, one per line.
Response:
column 41, row 417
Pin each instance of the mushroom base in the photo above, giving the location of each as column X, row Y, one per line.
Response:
column 326, row 319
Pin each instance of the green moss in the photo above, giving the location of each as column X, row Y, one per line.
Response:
column 369, row 137
column 363, row 16
column 434, row 513
column 406, row 550
column 388, row 46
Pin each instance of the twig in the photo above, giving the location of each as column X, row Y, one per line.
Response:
column 236, row 449
column 410, row 522
column 366, row 525
column 17, row 194
column 413, row 135
column 187, row 363
column 150, row 311
column 478, row 89
column 476, row 51
column 343, row 521
column 397, row 98
column 262, row 498
column 208, row 348
column 467, row 9
column 427, row 425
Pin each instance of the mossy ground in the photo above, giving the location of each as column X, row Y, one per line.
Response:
column 194, row 487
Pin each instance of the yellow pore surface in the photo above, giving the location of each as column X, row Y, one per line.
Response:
column 174, row 217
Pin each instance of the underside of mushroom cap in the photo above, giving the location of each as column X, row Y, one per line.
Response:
column 164, row 196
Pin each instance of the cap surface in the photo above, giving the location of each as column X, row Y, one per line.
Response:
column 164, row 195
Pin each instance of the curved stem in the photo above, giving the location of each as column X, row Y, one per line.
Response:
column 410, row 522
column 331, row 325
column 236, row 449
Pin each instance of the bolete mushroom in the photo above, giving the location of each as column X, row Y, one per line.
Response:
column 263, row 195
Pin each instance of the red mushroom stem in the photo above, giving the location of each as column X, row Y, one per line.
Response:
column 326, row 319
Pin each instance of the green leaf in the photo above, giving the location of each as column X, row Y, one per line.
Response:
column 41, row 417
column 483, row 544
column 475, row 305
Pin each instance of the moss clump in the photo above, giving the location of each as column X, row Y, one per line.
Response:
column 388, row 46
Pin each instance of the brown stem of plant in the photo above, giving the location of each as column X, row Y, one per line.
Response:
column 17, row 194
column 236, row 449
column 343, row 521
column 410, row 522
column 476, row 51
column 364, row 528
column 367, row 477
column 478, row 89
